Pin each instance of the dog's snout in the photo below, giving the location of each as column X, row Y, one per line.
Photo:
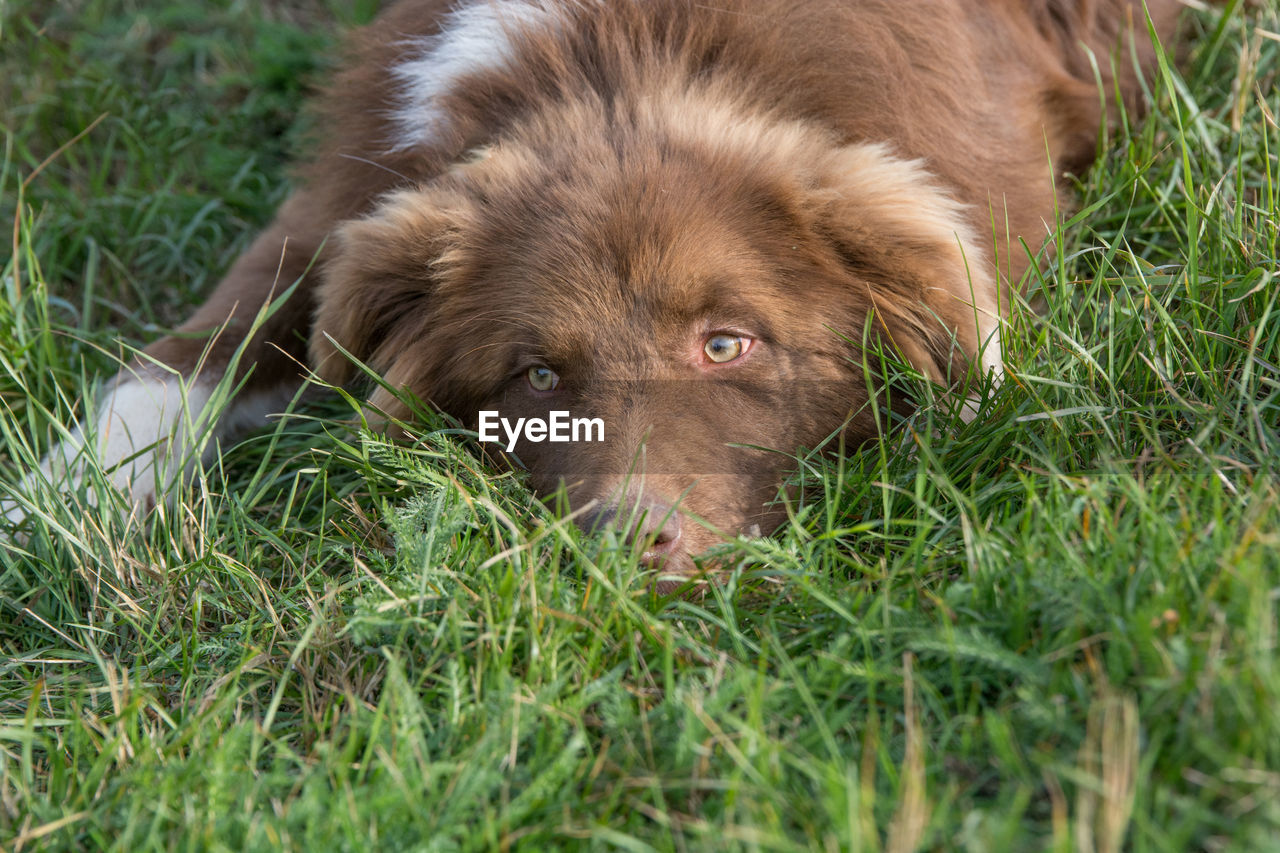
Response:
column 647, row 523
column 661, row 534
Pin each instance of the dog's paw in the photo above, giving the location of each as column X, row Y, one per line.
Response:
column 143, row 436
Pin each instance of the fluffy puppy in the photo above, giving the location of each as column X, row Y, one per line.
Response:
column 687, row 221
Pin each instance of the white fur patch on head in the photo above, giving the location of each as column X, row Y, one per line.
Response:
column 472, row 38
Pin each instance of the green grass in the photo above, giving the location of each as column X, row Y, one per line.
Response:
column 1053, row 628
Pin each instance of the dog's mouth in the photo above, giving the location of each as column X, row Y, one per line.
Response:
column 676, row 554
column 669, row 558
column 676, row 530
column 658, row 535
column 689, row 576
column 678, row 572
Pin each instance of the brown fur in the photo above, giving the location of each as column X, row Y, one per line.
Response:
column 648, row 173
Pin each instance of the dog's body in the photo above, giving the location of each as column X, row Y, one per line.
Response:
column 659, row 213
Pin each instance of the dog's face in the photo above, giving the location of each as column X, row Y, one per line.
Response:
column 707, row 300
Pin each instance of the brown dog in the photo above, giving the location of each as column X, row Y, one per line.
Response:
column 684, row 223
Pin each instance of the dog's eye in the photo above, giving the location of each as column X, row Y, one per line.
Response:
column 724, row 348
column 542, row 378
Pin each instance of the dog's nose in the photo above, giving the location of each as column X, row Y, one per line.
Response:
column 660, row 533
column 646, row 523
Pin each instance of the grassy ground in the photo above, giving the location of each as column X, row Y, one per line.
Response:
column 1054, row 628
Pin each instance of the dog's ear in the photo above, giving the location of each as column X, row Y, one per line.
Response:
column 930, row 288
column 378, row 285
column 1099, row 23
column 1068, row 21
column 1106, row 38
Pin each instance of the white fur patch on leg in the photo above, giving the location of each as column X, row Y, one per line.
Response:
column 471, row 39
column 150, row 431
column 145, row 430
column 142, row 436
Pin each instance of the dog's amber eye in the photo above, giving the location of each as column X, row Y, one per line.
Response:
column 724, row 348
column 542, row 378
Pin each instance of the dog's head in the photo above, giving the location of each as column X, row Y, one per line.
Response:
column 704, row 284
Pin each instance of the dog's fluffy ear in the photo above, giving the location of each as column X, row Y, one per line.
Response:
column 1099, row 23
column 378, row 285
column 1103, row 37
column 932, row 292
